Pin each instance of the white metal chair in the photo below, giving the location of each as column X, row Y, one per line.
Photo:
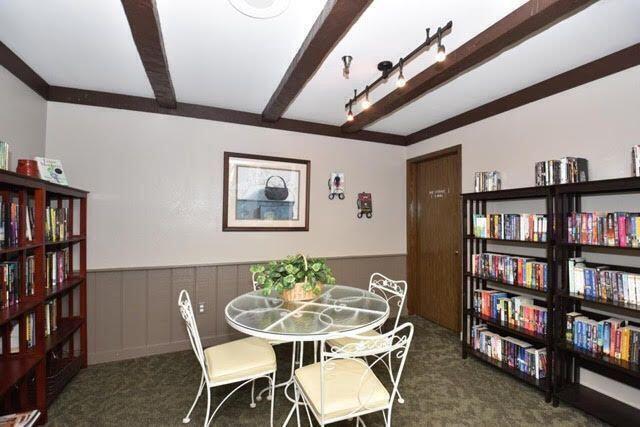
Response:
column 395, row 292
column 343, row 385
column 243, row 361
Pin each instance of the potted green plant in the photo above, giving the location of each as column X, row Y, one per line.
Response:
column 296, row 278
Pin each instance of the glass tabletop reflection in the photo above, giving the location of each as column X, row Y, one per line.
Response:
column 337, row 310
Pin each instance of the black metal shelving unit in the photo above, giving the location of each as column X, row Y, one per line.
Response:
column 567, row 359
column 476, row 203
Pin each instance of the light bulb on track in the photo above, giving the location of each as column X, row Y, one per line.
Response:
column 401, row 80
column 441, row 55
column 350, row 114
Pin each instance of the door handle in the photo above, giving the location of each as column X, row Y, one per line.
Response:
column 457, row 252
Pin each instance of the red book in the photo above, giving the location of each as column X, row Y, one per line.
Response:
column 622, row 229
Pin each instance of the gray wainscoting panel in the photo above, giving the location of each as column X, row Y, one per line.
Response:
column 134, row 312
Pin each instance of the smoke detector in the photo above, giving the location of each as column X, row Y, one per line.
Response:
column 260, row 9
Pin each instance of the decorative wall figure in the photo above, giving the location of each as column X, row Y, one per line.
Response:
column 365, row 206
column 336, row 185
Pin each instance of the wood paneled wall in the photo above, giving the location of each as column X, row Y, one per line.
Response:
column 134, row 312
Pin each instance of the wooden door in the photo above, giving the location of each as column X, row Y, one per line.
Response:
column 434, row 240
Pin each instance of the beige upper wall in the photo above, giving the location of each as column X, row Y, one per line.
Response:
column 156, row 188
column 23, row 117
column 599, row 121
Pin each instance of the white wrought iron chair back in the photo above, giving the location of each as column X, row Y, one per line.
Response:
column 394, row 291
column 186, row 310
column 375, row 349
column 256, row 286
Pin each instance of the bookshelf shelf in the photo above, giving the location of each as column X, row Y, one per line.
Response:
column 509, row 287
column 71, row 239
column 625, row 309
column 14, row 311
column 601, row 247
column 508, row 241
column 64, row 287
column 627, row 368
column 15, row 369
column 539, row 383
column 24, row 380
column 589, row 400
column 510, row 329
column 66, row 328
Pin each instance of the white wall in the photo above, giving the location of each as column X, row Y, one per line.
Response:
column 599, row 121
column 23, row 117
column 156, row 188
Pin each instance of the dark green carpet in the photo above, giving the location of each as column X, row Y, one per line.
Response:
column 439, row 387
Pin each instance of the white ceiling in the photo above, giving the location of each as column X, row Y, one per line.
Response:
column 220, row 57
column 75, row 43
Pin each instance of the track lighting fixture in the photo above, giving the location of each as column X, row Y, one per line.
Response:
column 387, row 68
column 401, row 81
column 346, row 60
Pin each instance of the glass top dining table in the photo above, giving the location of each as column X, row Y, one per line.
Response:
column 336, row 311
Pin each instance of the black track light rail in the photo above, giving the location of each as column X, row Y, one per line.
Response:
column 404, row 60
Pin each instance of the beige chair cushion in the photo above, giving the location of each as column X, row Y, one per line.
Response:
column 349, row 386
column 341, row 342
column 239, row 359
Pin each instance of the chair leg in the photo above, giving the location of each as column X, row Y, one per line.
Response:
column 187, row 419
column 206, row 418
column 253, row 394
column 315, row 352
column 273, row 394
column 400, row 398
column 297, row 404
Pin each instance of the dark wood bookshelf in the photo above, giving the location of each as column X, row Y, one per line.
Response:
column 476, row 203
column 601, row 247
column 502, row 366
column 622, row 308
column 510, row 329
column 26, row 376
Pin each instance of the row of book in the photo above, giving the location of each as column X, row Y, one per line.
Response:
column 513, row 352
column 487, row 181
column 9, row 284
column 56, row 229
column 30, row 275
column 611, row 337
column 516, row 311
column 514, row 270
column 14, row 334
column 9, row 224
column 603, row 283
column 564, row 171
column 527, row 227
column 57, row 267
column 604, row 228
column 50, row 317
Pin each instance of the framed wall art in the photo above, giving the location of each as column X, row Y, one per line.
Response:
column 264, row 193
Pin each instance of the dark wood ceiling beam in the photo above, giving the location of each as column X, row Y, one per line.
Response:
column 522, row 23
column 22, row 71
column 136, row 103
column 332, row 24
column 147, row 35
column 610, row 64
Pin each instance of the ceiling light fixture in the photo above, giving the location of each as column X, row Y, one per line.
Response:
column 346, row 60
column 365, row 103
column 350, row 114
column 441, row 54
column 260, row 9
column 387, row 67
column 401, row 81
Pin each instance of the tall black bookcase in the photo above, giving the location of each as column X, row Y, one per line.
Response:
column 568, row 360
column 476, row 203
column 562, row 382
